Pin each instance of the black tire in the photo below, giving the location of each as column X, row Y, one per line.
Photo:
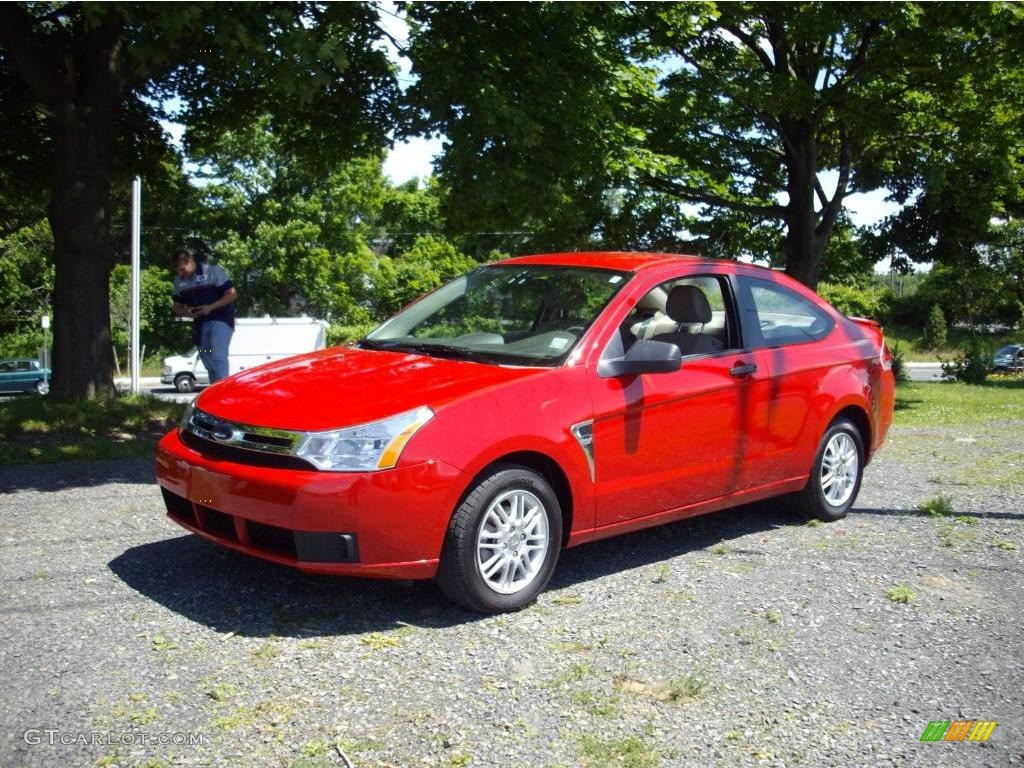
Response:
column 460, row 576
column 184, row 382
column 813, row 501
column 43, row 387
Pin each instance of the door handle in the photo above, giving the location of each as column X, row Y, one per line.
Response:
column 743, row 369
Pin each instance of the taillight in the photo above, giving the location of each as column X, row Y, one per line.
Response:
column 886, row 357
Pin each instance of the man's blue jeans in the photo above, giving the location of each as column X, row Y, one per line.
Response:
column 214, row 340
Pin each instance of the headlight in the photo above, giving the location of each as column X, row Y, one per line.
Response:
column 187, row 415
column 376, row 445
column 167, row 370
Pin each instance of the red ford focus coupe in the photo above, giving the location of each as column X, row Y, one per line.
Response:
column 534, row 404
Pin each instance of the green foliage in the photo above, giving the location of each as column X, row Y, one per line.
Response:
column 957, row 404
column 940, row 506
column 935, row 328
column 44, row 429
column 901, row 593
column 81, row 88
column 428, row 263
column 159, row 331
column 899, row 363
column 342, row 334
column 527, row 95
column 346, row 246
column 855, row 301
column 958, row 162
column 970, row 365
column 629, row 752
column 637, row 109
column 26, row 280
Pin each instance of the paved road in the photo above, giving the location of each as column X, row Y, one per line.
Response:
column 924, row 371
column 151, row 386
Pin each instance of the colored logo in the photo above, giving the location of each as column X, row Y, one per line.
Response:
column 958, row 730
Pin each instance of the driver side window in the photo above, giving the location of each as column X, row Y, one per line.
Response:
column 691, row 312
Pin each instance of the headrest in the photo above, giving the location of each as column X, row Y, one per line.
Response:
column 688, row 304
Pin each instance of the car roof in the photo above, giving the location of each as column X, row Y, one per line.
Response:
column 626, row 261
column 18, row 360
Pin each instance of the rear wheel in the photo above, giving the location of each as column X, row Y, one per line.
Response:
column 836, row 473
column 184, row 382
column 503, row 542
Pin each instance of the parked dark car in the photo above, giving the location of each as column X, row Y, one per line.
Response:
column 1009, row 358
column 24, row 376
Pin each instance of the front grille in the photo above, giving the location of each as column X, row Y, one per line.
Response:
column 220, row 525
column 178, row 508
column 302, row 546
column 280, row 541
column 213, row 450
column 264, row 439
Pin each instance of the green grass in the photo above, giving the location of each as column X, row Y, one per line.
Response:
column 40, row 430
column 940, row 506
column 686, row 688
column 901, row 593
column 630, row 752
column 948, row 404
column 914, row 349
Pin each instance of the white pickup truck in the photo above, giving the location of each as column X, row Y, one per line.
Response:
column 256, row 340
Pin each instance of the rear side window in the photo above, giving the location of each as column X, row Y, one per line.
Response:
column 774, row 315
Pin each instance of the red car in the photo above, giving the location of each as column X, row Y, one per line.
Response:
column 533, row 404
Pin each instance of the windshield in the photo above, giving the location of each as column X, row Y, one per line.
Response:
column 505, row 314
column 1007, row 351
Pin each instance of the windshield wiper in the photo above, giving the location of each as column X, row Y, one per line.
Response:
column 371, row 344
column 427, row 348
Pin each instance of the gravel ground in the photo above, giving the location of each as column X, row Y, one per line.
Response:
column 741, row 638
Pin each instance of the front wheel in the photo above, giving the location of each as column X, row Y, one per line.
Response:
column 43, row 387
column 502, row 543
column 836, row 473
column 184, row 382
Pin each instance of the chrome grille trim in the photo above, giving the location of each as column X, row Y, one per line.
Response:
column 246, row 436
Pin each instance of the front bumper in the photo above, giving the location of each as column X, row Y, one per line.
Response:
column 387, row 524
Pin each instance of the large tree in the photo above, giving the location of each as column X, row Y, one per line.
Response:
column 763, row 117
column 83, row 83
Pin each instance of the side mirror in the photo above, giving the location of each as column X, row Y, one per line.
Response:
column 643, row 357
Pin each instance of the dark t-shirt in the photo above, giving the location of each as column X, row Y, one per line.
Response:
column 207, row 284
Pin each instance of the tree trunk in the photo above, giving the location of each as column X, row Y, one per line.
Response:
column 79, row 214
column 803, row 246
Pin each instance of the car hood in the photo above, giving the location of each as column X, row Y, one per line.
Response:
column 344, row 386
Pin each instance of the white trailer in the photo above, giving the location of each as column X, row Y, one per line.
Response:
column 256, row 340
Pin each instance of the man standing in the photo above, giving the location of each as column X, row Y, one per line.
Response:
column 205, row 293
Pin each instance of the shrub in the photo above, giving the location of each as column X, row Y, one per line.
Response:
column 342, row 334
column 969, row 366
column 940, row 506
column 935, row 328
column 854, row 301
column 899, row 363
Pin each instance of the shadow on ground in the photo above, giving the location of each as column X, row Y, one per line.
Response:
column 76, row 474
column 231, row 592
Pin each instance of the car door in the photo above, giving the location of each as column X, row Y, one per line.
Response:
column 663, row 441
column 785, row 331
column 8, row 376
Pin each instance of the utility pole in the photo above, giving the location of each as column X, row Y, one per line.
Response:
column 136, row 241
